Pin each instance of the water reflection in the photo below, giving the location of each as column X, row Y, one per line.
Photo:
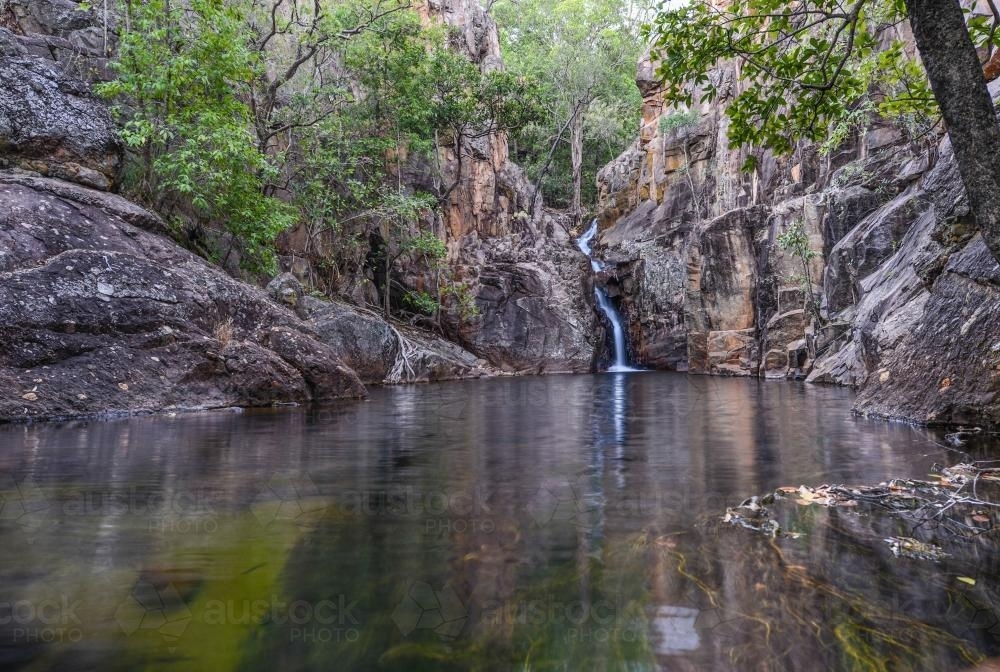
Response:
column 546, row 523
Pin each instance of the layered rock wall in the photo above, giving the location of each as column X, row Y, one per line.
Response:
column 904, row 294
column 517, row 260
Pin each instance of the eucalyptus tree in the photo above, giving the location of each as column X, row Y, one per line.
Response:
column 585, row 52
column 812, row 66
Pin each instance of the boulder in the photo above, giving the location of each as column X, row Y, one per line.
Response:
column 100, row 314
column 374, row 348
column 532, row 309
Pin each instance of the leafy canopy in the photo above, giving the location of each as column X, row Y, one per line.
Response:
column 584, row 52
column 183, row 74
column 810, row 70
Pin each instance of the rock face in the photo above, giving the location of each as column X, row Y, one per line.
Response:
column 100, row 314
column 516, row 261
column 80, row 39
column 898, row 300
column 519, row 262
column 50, row 123
column 531, row 312
column 377, row 350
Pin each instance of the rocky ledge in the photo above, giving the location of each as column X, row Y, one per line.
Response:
column 99, row 313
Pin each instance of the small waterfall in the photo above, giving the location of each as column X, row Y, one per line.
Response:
column 604, row 303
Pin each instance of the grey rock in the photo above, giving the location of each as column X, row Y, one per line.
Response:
column 50, row 123
column 98, row 315
column 370, row 345
column 531, row 298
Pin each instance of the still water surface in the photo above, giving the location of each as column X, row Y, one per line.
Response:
column 559, row 523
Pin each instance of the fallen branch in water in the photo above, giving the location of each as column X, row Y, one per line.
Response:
column 951, row 503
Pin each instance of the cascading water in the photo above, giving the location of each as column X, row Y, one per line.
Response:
column 604, row 303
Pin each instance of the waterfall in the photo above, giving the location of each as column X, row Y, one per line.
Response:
column 604, row 303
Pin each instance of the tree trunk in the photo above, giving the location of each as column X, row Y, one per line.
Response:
column 956, row 76
column 548, row 159
column 385, row 229
column 576, row 155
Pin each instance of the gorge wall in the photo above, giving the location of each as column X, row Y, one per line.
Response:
column 906, row 296
column 514, row 257
column 102, row 312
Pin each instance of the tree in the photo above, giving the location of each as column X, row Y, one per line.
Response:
column 811, row 65
column 795, row 240
column 249, row 116
column 182, row 84
column 292, row 36
column 585, row 51
column 956, row 76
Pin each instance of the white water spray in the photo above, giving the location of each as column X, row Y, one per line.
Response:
column 604, row 303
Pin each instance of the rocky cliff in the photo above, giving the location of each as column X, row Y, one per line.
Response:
column 905, row 297
column 529, row 280
column 100, row 311
column 513, row 257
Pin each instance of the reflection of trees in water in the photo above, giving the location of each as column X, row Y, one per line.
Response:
column 711, row 597
column 656, row 455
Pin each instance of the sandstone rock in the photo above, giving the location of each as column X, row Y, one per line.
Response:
column 783, row 335
column 731, row 352
column 366, row 342
column 909, row 294
column 10, row 45
column 866, row 247
column 53, row 16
